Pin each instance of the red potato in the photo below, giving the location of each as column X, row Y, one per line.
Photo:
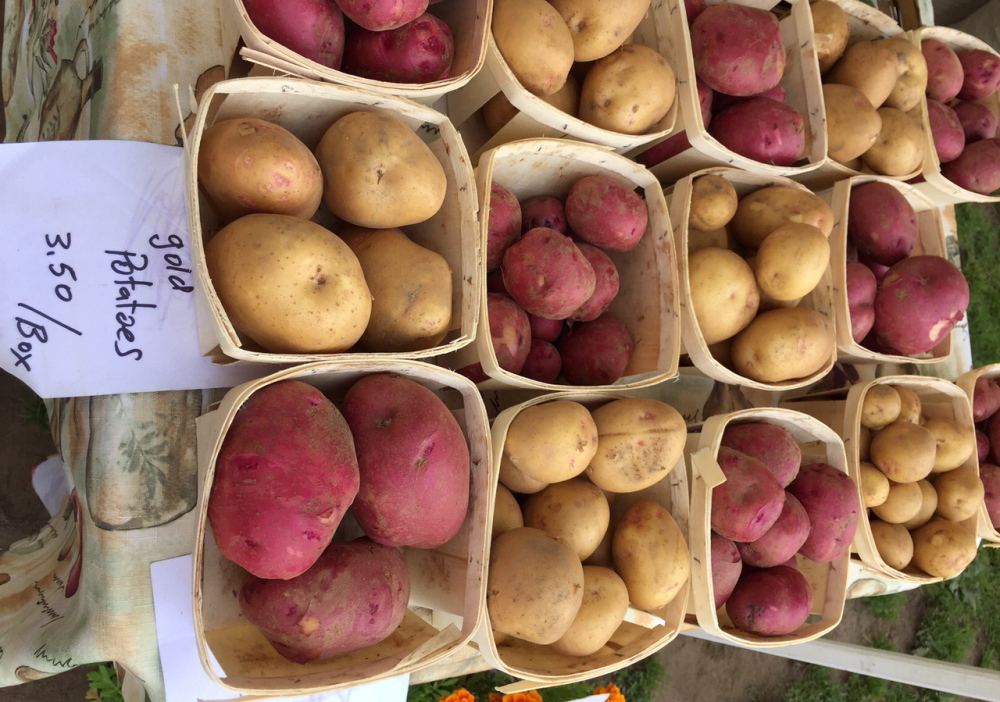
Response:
column 354, row 596
column 761, row 129
column 881, row 223
column 494, row 283
column 977, row 120
column 771, row 444
column 605, row 288
column 832, row 501
column 990, row 475
column 749, row 502
column 985, row 398
column 379, row 15
column 878, row 269
column 771, row 601
column 706, row 98
column 861, row 289
column 946, row 131
column 944, row 70
column 543, row 211
column 606, row 213
column 721, row 101
column 595, row 353
column 982, row 446
column 726, row 567
column 413, row 460
column 545, row 329
column 285, row 475
column 977, row 168
column 543, row 362
column 510, row 332
column 668, row 148
column 993, row 434
column 782, row 541
column 918, row 303
column 311, row 28
column 737, row 49
column 503, row 225
column 693, row 8
column 420, row 51
column 981, row 73
column 547, row 274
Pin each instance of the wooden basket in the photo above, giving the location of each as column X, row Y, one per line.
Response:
column 934, row 228
column 935, row 186
column 820, row 299
column 447, row 583
column 307, row 109
column 988, row 531
column 939, row 399
column 469, row 21
column 640, row 635
column 827, row 580
column 800, row 81
column 647, row 299
column 537, row 118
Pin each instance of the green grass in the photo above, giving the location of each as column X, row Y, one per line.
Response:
column 886, row 606
column 33, row 412
column 979, row 247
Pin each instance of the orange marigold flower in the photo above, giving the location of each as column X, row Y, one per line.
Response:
column 495, row 697
column 529, row 696
column 615, row 695
column 459, row 695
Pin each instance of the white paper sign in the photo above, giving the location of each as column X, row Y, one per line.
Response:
column 96, row 278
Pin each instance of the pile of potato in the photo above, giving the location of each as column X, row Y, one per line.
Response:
column 291, row 466
column 574, row 55
column 294, row 286
column 745, row 295
column 563, row 569
column 986, row 414
column 872, row 90
column 771, row 509
column 918, row 482
column 963, row 129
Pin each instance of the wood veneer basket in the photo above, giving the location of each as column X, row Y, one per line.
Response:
column 988, row 531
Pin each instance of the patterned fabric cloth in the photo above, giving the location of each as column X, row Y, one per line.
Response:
column 79, row 591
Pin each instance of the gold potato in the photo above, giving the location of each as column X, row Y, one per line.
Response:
column 880, row 406
column 943, row 548
column 960, row 493
column 724, row 295
column 506, row 512
column 864, row 443
column 911, row 82
column 874, row 485
column 651, row 555
column 764, row 210
column 901, row 504
column 535, row 43
column 899, row 148
column 713, row 203
column 640, row 440
column 605, row 601
column 910, row 406
column 628, row 91
column 830, row 32
column 893, row 542
column 552, row 441
column 534, row 587
column 599, row 27
column 869, row 66
column 411, row 290
column 784, row 344
column 791, row 262
column 928, row 505
column 378, row 173
column 903, row 451
column 516, row 480
column 956, row 442
column 574, row 512
column 852, row 123
column 498, row 110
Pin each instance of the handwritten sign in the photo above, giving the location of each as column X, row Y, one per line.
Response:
column 96, row 277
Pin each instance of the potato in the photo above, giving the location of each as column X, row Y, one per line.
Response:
column 737, row 50
column 852, row 122
column 313, row 29
column 981, row 73
column 874, row 485
column 284, row 477
column 791, row 261
column 762, row 129
column 911, row 83
column 960, row 493
column 534, row 586
column 629, row 91
column 606, row 284
column 597, row 27
column 510, row 333
column 830, row 32
column 547, row 274
column 750, row 500
column 640, row 440
column 724, row 297
column 910, row 406
column 544, row 211
column 726, row 567
column 420, row 51
column 985, row 398
column 596, row 352
column 899, row 148
column 413, row 460
column 379, row 15
column 782, row 541
column 864, row 442
column 869, row 66
column 498, row 110
column 516, row 480
column 946, row 131
column 574, row 512
column 543, row 362
column 783, row 344
column 769, row 443
column 830, row 498
column 861, row 289
column 902, row 503
column 928, row 505
column 990, row 475
column 503, row 225
column 551, row 441
column 713, row 203
column 770, row 601
column 880, row 406
column 977, row 120
column 977, row 168
column 650, row 554
column 881, row 223
column 506, row 512
column 354, row 596
column 764, row 210
column 606, row 212
column 956, row 442
column 893, row 542
column 605, row 601
column 982, row 446
column 248, row 165
column 378, row 173
column 904, row 451
column 289, row 284
column 944, row 70
column 535, row 42
column 942, row 548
